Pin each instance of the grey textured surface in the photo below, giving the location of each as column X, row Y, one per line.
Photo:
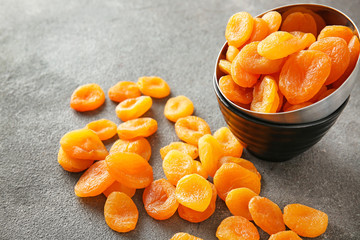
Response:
column 47, row 49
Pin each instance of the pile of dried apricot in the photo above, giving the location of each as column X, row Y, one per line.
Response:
column 284, row 62
column 262, row 65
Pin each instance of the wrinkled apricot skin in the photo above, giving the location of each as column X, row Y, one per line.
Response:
column 189, row 149
column 285, row 235
column 176, row 165
column 229, row 143
column 190, row 129
column 132, row 108
column 159, row 199
column 194, row 192
column 195, row 216
column 338, row 51
column 184, row 236
column 94, row 181
column 153, row 86
column 225, row 66
column 303, row 74
column 83, row 144
column 139, row 127
column 266, row 214
column 318, row 94
column 252, row 62
column 105, row 129
column 123, row 90
column 118, row 187
column 139, row 146
column 72, row 164
column 231, row 175
column 239, row 28
column 234, row 92
column 199, row 169
column 129, row 169
column 121, row 213
column 240, row 161
column 305, row 221
column 273, row 20
column 210, row 151
column 178, row 107
column 260, row 30
column 240, row 76
column 281, row 44
column 336, row 31
column 87, row 97
column 237, row 201
column 298, row 21
column 231, row 53
column 237, row 228
column 265, row 96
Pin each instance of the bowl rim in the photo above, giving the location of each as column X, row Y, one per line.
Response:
column 245, row 111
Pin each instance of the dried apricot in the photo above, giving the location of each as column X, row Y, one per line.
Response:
column 194, row 216
column 251, row 61
column 194, row 192
column 87, row 97
column 184, row 236
column 318, row 94
column 303, row 74
column 176, row 165
column 354, row 49
column 210, row 151
column 83, row 144
column 139, row 146
column 94, row 181
column 237, row 228
column 139, row 127
column 281, row 44
column 265, row 96
column 229, row 143
column 159, row 199
column 72, row 164
column 338, row 51
column 234, row 92
column 189, row 149
column 237, row 202
column 239, row 28
column 191, row 128
column 132, row 108
column 299, row 21
column 153, row 86
column 130, row 169
column 309, row 38
column 266, row 214
column 273, row 20
column 242, row 162
column 285, row 235
column 123, row 90
column 178, row 107
column 297, row 106
column 225, row 66
column 336, row 31
column 240, row 76
column 199, row 169
column 231, row 175
column 118, row 187
column 121, row 213
column 105, row 129
column 260, row 30
column 231, row 53
column 304, row 220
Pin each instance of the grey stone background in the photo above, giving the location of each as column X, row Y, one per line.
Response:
column 48, row 48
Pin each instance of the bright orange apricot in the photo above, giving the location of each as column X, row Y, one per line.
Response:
column 184, row 236
column 242, row 162
column 191, row 128
column 240, row 76
column 336, row 31
column 225, row 66
column 83, row 144
column 87, row 97
column 260, row 30
column 189, row 149
column 273, row 19
column 237, row 201
column 132, row 108
column 299, row 21
column 231, row 53
column 139, row 146
column 153, row 86
column 178, row 107
column 139, row 127
column 176, row 165
column 210, row 151
column 72, row 164
column 105, row 129
column 118, row 187
column 237, row 228
column 239, row 28
column 265, row 96
column 285, row 235
column 123, row 90
column 229, row 143
column 234, row 92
